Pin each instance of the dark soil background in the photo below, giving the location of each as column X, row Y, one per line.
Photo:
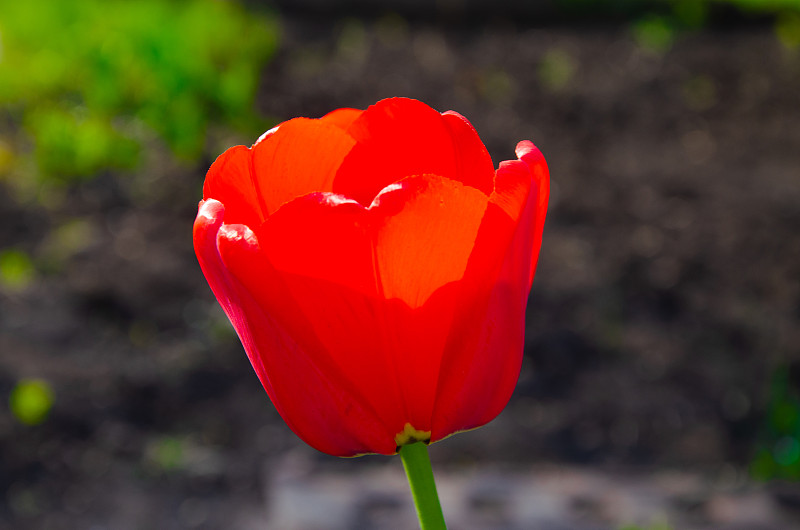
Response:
column 666, row 297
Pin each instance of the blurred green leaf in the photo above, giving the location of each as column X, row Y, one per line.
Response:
column 77, row 144
column 6, row 156
column 64, row 241
column 166, row 453
column 681, row 8
column 770, row 6
column 31, row 401
column 787, row 451
column 787, row 29
column 778, row 454
column 690, row 13
column 556, row 69
column 654, row 33
column 82, row 76
column 16, row 269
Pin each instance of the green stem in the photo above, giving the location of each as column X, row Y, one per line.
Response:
column 423, row 488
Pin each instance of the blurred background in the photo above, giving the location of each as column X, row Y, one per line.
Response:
column 661, row 380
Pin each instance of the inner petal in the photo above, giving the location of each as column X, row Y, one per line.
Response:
column 342, row 118
column 473, row 161
column 395, row 138
column 427, row 230
column 301, row 157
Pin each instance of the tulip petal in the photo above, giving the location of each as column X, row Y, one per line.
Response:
column 483, row 357
column 324, row 237
column 209, row 218
column 396, row 138
column 299, row 158
column 510, row 295
column 342, row 118
column 230, row 181
column 533, row 157
column 316, row 404
column 474, row 164
column 224, row 286
column 314, row 275
column 427, row 227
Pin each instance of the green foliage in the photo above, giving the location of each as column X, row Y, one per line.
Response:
column 691, row 7
column 768, row 6
column 659, row 21
column 86, row 78
column 166, row 453
column 31, row 401
column 16, row 270
column 76, row 143
column 690, row 13
column 655, row 24
column 556, row 69
column 787, row 29
column 778, row 456
column 654, row 33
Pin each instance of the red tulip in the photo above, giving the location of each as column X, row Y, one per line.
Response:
column 376, row 269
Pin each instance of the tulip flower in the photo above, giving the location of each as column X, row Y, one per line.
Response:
column 376, row 268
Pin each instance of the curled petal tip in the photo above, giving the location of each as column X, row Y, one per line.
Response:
column 454, row 113
column 531, row 155
column 526, row 148
column 210, row 209
column 237, row 233
column 209, row 218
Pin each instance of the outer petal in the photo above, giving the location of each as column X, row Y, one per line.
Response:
column 482, row 360
column 315, row 406
column 312, row 275
column 231, row 181
column 533, row 157
column 206, row 225
column 322, row 250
